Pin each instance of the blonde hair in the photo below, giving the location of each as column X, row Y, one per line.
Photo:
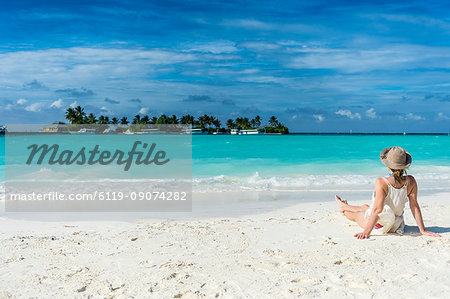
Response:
column 398, row 174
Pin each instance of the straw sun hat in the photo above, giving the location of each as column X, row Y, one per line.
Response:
column 395, row 158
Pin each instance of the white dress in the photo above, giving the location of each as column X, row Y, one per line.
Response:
column 391, row 218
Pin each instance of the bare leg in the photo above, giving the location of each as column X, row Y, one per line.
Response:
column 345, row 207
column 357, row 217
column 353, row 213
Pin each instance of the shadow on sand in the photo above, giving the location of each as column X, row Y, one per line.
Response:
column 414, row 230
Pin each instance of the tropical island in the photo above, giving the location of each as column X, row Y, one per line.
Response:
column 205, row 124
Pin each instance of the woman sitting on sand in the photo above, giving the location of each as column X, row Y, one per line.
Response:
column 389, row 199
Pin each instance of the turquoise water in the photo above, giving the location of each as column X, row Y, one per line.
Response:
column 306, row 159
column 310, row 154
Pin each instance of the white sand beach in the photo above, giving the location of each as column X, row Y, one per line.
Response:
column 274, row 251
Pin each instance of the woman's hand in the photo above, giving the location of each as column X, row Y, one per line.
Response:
column 431, row 234
column 362, row 236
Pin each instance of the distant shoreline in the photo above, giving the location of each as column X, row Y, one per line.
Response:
column 326, row 133
column 331, row 133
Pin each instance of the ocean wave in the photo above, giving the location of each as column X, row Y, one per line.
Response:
column 257, row 182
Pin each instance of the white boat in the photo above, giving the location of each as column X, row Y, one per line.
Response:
column 192, row 131
column 151, row 131
column 234, row 132
column 84, row 131
column 196, row 131
column 128, row 132
column 249, row 132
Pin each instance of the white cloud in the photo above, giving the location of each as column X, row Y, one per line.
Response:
column 35, row 107
column 231, row 72
column 21, row 101
column 371, row 113
column 63, row 67
column 290, row 43
column 411, row 19
column 253, row 24
column 348, row 114
column 143, row 110
column 395, row 57
column 258, row 46
column 442, row 116
column 74, row 104
column 215, row 47
column 411, row 116
column 319, row 117
column 414, row 116
column 249, row 24
column 266, row 79
column 106, row 111
column 56, row 104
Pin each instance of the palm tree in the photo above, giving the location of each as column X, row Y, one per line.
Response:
column 163, row 120
column 230, row 124
column 239, row 123
column 216, row 122
column 173, row 120
column 103, row 120
column 91, row 119
column 210, row 120
column 124, row 121
column 153, row 120
column 256, row 122
column 195, row 123
column 71, row 115
column 137, row 119
column 246, row 123
column 79, row 114
column 204, row 121
column 187, row 120
column 145, row 119
column 273, row 121
column 243, row 123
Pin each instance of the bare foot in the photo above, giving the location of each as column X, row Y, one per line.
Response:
column 342, row 203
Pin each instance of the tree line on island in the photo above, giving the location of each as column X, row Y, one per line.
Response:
column 207, row 123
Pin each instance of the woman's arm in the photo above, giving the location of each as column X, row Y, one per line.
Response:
column 415, row 209
column 380, row 195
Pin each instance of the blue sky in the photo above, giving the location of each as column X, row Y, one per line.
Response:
column 319, row 66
